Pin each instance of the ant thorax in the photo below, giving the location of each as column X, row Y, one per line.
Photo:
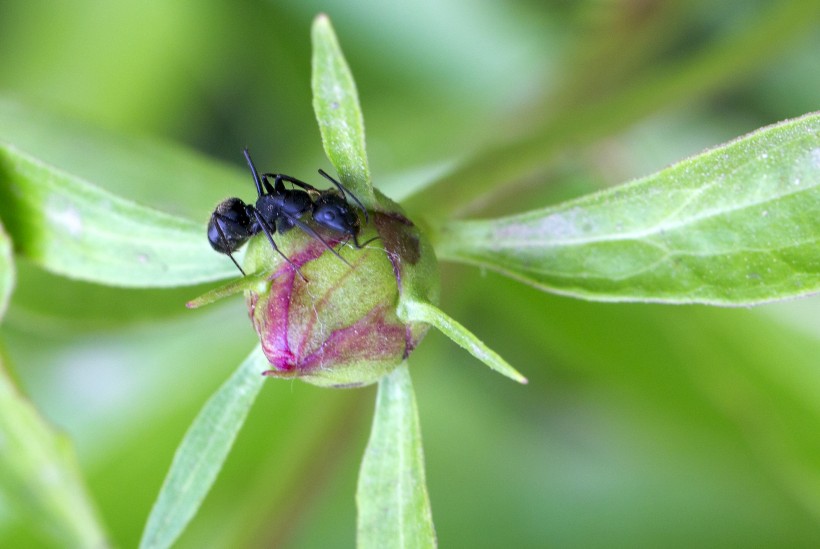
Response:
column 282, row 207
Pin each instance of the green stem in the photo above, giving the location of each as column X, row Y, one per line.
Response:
column 702, row 73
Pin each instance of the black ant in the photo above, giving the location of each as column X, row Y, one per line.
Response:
column 233, row 221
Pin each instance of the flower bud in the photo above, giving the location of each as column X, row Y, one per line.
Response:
column 336, row 325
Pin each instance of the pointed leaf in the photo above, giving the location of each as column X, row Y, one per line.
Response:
column 418, row 311
column 336, row 103
column 394, row 508
column 39, row 473
column 736, row 225
column 151, row 171
column 73, row 228
column 200, row 456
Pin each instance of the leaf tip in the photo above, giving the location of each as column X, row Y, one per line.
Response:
column 204, row 299
column 201, row 301
column 502, row 367
column 321, row 24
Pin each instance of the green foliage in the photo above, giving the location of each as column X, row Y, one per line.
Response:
column 736, row 225
column 587, row 106
column 420, row 311
column 75, row 229
column 394, row 508
column 38, row 467
column 202, row 453
column 336, row 104
column 39, row 471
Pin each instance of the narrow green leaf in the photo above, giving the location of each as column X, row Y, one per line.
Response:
column 229, row 289
column 418, row 311
column 200, row 456
column 394, row 508
column 336, row 103
column 157, row 173
column 6, row 271
column 73, row 228
column 40, row 475
column 736, row 225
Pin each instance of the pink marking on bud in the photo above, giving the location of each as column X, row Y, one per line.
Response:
column 370, row 338
column 274, row 328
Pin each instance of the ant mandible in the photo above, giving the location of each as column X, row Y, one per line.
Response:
column 233, row 221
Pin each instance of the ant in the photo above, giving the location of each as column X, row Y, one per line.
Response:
column 233, row 221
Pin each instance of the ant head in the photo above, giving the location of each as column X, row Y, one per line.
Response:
column 332, row 211
column 229, row 226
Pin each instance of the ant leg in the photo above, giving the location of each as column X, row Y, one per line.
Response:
column 268, row 187
column 269, row 234
column 279, row 177
column 346, row 192
column 224, row 239
column 360, row 246
column 256, row 179
column 309, row 230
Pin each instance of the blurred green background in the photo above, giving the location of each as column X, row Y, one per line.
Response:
column 642, row 425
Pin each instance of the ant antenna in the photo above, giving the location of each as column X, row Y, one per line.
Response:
column 346, row 192
column 256, row 179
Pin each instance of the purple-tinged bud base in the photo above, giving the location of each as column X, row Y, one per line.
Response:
column 340, row 328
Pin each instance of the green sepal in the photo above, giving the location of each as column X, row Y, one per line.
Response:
column 419, row 311
column 392, row 499
column 336, row 103
column 256, row 281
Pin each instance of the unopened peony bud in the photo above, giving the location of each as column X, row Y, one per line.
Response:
column 338, row 326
